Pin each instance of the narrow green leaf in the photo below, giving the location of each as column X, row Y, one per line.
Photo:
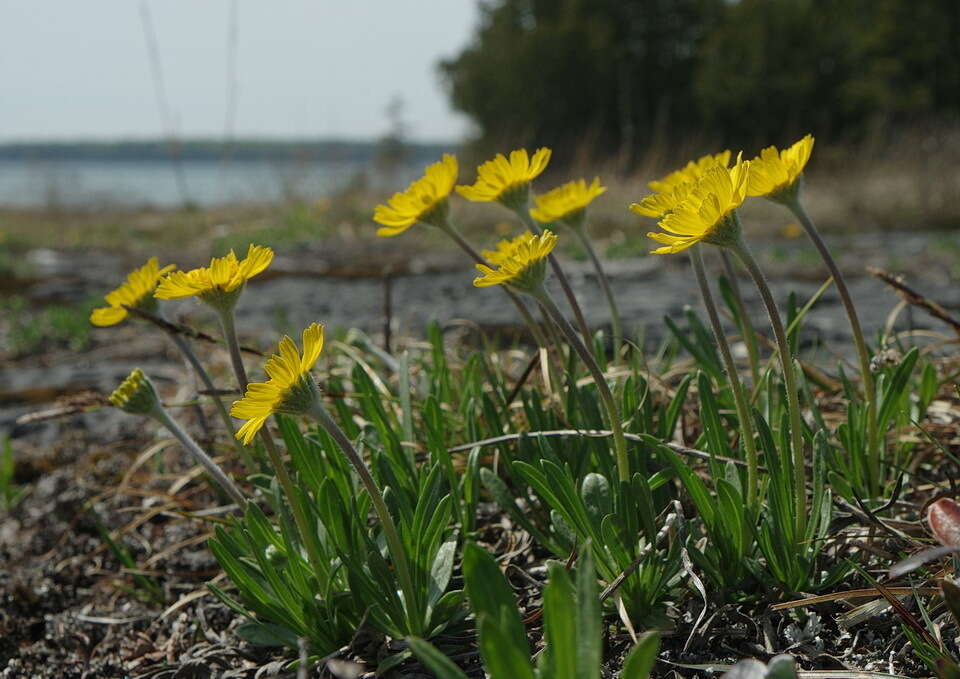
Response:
column 642, row 658
column 434, row 660
column 559, row 659
column 266, row 634
column 503, row 658
column 490, row 595
column 894, row 390
column 589, row 619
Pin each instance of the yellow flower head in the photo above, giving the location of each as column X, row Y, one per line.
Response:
column 503, row 249
column 566, row 203
column 290, row 388
column 136, row 291
column 507, row 181
column 658, row 205
column 220, row 283
column 690, row 173
column 520, row 263
column 425, row 200
column 135, row 395
column 774, row 173
column 707, row 214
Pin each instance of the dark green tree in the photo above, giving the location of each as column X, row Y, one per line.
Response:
column 602, row 72
column 614, row 75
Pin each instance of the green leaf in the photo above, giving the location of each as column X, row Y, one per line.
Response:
column 441, row 571
column 266, row 634
column 502, row 496
column 490, row 595
column 434, row 660
column 642, row 658
column 596, row 495
column 560, row 626
column 503, row 658
column 691, row 482
column 668, row 423
column 589, row 619
column 894, row 390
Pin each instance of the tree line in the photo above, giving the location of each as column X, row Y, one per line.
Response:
column 619, row 75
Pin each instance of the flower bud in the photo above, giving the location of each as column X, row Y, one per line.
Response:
column 136, row 395
column 943, row 517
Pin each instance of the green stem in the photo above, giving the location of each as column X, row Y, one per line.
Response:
column 276, row 459
column 530, row 223
column 746, row 326
column 743, row 410
column 390, row 532
column 204, row 377
column 198, row 454
column 606, row 396
column 580, row 231
column 790, row 383
column 874, row 442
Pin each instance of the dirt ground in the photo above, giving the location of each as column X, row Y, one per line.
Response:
column 69, row 607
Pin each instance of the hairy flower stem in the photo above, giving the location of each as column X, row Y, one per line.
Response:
column 276, row 459
column 531, row 224
column 204, row 377
column 746, row 326
column 790, row 383
column 606, row 396
column 390, row 532
column 874, row 443
column 581, row 233
column 198, row 454
column 535, row 330
column 743, row 409
column 229, row 325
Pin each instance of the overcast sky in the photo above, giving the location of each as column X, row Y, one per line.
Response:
column 305, row 68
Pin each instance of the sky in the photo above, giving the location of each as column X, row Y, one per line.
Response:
column 74, row 70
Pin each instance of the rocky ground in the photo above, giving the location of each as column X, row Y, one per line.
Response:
column 69, row 607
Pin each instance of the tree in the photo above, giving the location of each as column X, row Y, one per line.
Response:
column 615, row 75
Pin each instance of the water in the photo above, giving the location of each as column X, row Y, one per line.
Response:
column 71, row 184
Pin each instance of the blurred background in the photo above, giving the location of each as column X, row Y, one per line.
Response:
column 184, row 129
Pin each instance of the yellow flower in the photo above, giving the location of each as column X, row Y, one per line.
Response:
column 658, row 205
column 690, row 173
column 507, row 181
column 425, row 200
column 676, row 186
column 520, row 262
column 503, row 249
column 775, row 172
column 290, row 388
column 707, row 214
column 566, row 202
column 220, row 283
column 136, row 291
